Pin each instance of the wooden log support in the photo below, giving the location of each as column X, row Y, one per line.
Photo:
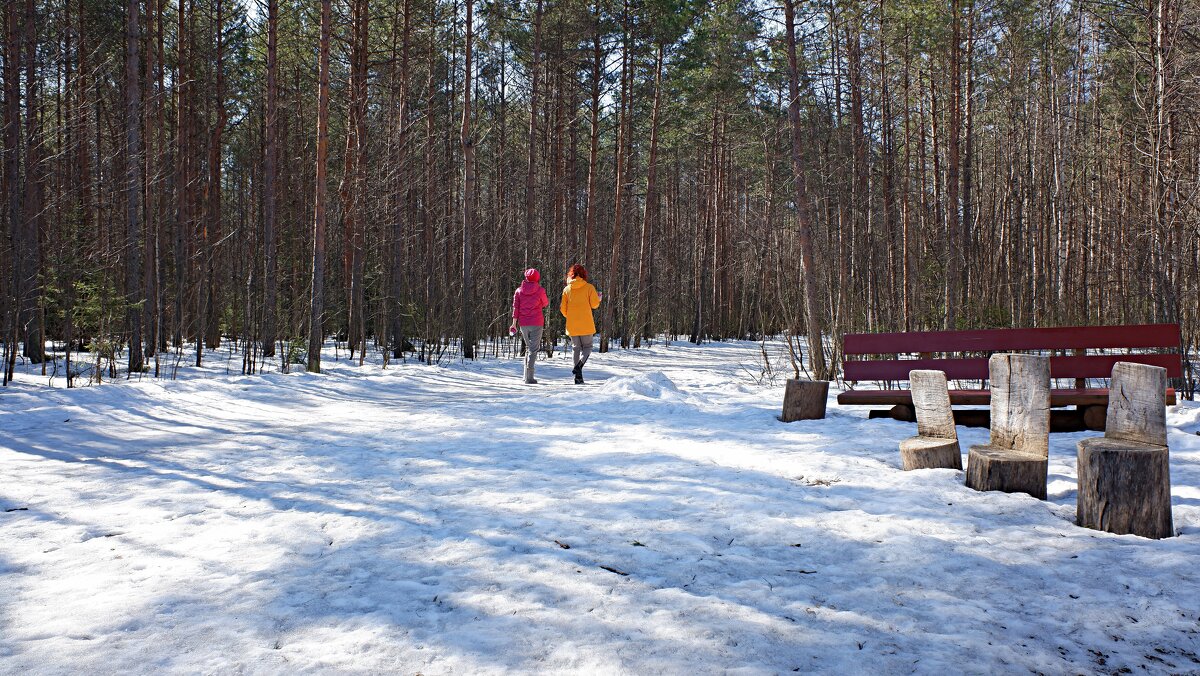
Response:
column 1015, row 459
column 1125, row 476
column 804, row 400
column 936, row 443
column 1094, row 417
column 972, row 417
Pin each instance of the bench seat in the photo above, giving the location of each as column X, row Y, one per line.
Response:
column 1094, row 396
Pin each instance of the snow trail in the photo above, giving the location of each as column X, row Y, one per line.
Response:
column 413, row 520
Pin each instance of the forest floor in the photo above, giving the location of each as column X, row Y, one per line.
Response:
column 450, row 519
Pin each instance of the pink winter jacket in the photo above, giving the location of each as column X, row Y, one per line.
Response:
column 528, row 303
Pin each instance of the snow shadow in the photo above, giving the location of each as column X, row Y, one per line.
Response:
column 391, row 522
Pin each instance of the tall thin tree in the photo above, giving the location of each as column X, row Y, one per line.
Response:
column 270, row 175
column 468, row 150
column 316, row 329
column 134, row 291
column 808, row 266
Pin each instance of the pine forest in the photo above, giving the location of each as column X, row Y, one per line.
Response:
column 274, row 174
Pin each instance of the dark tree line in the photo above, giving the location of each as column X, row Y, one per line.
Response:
column 182, row 175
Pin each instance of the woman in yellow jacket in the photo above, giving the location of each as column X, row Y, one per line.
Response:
column 578, row 301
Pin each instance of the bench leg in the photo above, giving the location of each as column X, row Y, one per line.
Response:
column 972, row 417
column 901, row 412
column 1094, row 417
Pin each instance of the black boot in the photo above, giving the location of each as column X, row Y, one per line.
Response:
column 578, row 372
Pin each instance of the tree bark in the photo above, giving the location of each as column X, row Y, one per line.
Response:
column 607, row 309
column 214, row 204
column 22, row 270
column 316, row 330
column 808, row 266
column 952, row 247
column 31, row 245
column 270, row 176
column 468, row 149
column 134, row 291
column 650, row 214
column 531, row 151
column 594, row 145
column 396, row 309
column 354, row 159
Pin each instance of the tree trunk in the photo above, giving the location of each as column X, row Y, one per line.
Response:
column 594, row 147
column 468, row 149
column 183, row 188
column 808, row 266
column 316, row 331
column 134, row 292
column 270, row 174
column 952, row 248
column 31, row 244
column 396, row 306
column 531, row 151
column 23, row 273
column 354, row 159
column 214, row 204
column 650, row 214
column 607, row 309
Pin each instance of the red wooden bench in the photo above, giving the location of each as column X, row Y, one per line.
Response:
column 963, row 355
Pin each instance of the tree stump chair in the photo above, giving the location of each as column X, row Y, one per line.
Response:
column 936, row 443
column 1124, row 476
column 1015, row 458
column 805, row 400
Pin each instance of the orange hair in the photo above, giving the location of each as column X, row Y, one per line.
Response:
column 577, row 271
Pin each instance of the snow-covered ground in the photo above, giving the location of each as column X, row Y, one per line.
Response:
column 452, row 520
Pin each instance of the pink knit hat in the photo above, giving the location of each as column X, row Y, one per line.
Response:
column 532, row 275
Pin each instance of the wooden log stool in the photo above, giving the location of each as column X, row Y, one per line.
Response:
column 936, row 443
column 805, row 400
column 1015, row 458
column 1124, row 476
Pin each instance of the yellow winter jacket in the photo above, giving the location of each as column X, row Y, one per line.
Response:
column 578, row 301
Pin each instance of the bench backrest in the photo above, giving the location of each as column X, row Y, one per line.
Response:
column 1072, row 338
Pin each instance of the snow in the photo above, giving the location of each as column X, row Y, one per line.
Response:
column 409, row 520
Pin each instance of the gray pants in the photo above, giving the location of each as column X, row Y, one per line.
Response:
column 581, row 349
column 533, row 342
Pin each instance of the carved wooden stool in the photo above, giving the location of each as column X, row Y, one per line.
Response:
column 1015, row 459
column 1125, row 476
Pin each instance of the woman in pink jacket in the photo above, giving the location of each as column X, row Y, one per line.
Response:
column 528, row 302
